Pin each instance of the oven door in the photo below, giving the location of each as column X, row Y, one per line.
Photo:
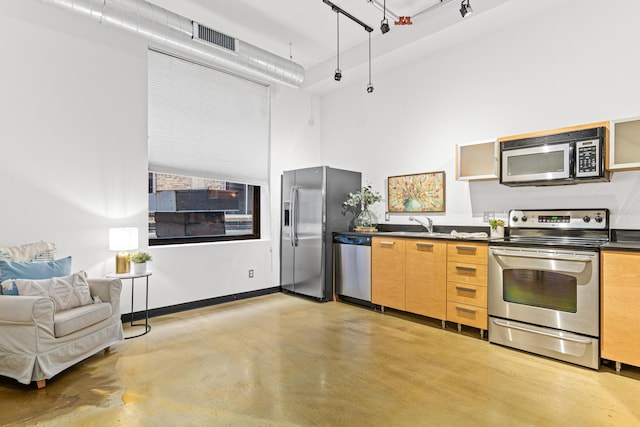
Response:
column 551, row 288
column 539, row 163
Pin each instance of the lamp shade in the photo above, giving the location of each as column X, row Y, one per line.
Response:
column 123, row 239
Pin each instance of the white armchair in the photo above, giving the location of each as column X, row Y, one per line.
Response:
column 37, row 343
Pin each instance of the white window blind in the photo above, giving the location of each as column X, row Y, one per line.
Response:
column 206, row 122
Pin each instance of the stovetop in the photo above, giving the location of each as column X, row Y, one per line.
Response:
column 558, row 228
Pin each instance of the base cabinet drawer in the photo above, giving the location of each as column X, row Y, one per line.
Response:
column 465, row 293
column 468, row 252
column 467, row 314
column 467, row 273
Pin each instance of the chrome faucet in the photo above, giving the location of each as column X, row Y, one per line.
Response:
column 428, row 225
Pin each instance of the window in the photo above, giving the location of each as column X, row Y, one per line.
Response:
column 208, row 152
column 184, row 209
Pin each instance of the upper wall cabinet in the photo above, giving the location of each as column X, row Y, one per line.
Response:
column 624, row 144
column 477, row 161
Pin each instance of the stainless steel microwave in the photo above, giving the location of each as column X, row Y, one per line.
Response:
column 565, row 158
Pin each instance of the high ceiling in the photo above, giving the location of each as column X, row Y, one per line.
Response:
column 310, row 25
column 305, row 30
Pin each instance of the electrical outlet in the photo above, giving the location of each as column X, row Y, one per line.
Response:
column 487, row 216
column 251, row 274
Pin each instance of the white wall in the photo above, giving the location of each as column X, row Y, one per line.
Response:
column 74, row 155
column 573, row 64
column 73, row 132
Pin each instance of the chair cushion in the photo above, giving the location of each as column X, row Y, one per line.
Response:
column 67, row 292
column 69, row 321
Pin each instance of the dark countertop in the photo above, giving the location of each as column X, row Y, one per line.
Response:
column 623, row 240
column 621, row 246
column 418, row 232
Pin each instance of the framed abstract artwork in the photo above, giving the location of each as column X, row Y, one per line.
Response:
column 423, row 192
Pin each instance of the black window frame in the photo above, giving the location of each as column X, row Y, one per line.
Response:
column 254, row 235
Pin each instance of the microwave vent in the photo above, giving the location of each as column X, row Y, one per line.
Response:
column 576, row 135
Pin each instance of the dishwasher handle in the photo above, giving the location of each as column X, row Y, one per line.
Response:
column 352, row 240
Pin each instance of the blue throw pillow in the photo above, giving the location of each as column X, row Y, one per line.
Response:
column 35, row 270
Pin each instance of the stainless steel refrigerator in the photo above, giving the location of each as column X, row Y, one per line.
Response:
column 311, row 211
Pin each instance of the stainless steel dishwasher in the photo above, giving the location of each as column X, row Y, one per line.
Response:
column 352, row 266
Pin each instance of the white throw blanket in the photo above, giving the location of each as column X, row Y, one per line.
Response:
column 480, row 234
column 38, row 251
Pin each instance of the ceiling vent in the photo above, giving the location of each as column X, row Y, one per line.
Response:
column 208, row 35
column 179, row 34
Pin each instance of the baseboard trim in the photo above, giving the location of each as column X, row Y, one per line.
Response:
column 171, row 309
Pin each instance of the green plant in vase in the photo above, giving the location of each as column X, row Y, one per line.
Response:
column 140, row 257
column 366, row 219
column 497, row 228
column 139, row 260
column 495, row 223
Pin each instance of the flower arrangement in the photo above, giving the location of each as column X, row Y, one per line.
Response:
column 363, row 198
column 140, row 257
column 495, row 223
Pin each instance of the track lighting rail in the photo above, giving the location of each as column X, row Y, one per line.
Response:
column 337, row 9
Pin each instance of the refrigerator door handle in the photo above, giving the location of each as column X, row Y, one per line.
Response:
column 293, row 230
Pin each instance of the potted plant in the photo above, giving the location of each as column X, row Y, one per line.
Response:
column 497, row 228
column 366, row 219
column 139, row 260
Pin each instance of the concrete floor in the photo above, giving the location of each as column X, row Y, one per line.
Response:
column 281, row 360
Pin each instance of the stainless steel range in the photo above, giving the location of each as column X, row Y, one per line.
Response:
column 544, row 284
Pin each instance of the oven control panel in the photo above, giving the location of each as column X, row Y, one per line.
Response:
column 594, row 219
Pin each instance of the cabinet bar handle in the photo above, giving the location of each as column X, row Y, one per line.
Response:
column 465, row 310
column 424, row 245
column 462, row 267
column 466, row 248
column 460, row 288
column 387, row 243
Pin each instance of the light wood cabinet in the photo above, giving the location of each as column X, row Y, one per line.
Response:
column 409, row 275
column 624, row 145
column 388, row 272
column 477, row 161
column 620, row 306
column 426, row 278
column 467, row 284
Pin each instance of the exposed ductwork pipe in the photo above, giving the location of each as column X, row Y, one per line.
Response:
column 178, row 33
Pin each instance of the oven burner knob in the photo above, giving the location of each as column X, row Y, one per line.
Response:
column 524, row 218
column 514, row 218
column 586, row 218
column 598, row 218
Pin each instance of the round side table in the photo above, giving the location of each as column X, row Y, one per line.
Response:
column 133, row 277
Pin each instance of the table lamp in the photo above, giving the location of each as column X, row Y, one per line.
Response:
column 123, row 240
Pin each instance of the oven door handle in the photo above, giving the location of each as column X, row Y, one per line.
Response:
column 521, row 328
column 555, row 257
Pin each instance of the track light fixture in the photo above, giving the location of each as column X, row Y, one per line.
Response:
column 338, row 75
column 384, row 24
column 465, row 8
column 369, row 85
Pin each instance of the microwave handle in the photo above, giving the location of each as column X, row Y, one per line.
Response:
column 573, row 167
